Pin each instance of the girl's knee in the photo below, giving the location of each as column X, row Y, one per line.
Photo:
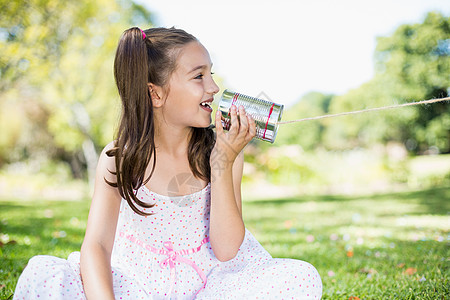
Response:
column 302, row 275
column 45, row 266
column 304, row 270
column 44, row 261
column 310, row 269
column 309, row 280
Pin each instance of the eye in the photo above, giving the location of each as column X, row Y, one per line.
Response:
column 200, row 76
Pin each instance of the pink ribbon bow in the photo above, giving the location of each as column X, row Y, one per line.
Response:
column 174, row 256
column 143, row 34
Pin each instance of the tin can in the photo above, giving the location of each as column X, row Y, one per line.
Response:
column 265, row 113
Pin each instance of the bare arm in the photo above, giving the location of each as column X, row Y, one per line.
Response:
column 100, row 231
column 226, row 225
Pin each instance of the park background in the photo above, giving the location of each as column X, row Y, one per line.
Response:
column 364, row 198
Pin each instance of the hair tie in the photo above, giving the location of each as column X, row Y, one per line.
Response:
column 143, row 34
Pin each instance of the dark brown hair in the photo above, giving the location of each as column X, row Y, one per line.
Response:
column 140, row 61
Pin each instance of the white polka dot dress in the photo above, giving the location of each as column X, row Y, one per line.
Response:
column 168, row 255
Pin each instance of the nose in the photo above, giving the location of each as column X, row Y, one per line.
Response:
column 212, row 87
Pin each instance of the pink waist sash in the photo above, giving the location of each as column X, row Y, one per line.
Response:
column 172, row 257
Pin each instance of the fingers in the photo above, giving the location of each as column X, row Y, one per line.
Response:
column 251, row 127
column 240, row 133
column 218, row 122
column 242, row 128
column 246, row 128
column 234, row 129
column 243, row 123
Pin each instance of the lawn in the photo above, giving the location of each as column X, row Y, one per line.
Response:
column 383, row 246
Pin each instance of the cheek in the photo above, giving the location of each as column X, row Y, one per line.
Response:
column 186, row 95
column 191, row 94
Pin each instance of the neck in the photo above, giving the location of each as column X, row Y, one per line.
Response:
column 170, row 139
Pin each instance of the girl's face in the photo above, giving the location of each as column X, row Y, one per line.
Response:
column 191, row 89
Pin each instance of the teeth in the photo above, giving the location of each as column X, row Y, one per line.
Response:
column 204, row 104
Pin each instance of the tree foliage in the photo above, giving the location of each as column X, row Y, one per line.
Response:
column 309, row 135
column 57, row 66
column 416, row 59
column 58, row 99
column 411, row 65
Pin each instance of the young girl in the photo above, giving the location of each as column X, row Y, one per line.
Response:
column 165, row 220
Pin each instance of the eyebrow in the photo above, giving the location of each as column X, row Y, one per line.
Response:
column 199, row 67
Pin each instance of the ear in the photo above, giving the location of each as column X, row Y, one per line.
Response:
column 156, row 93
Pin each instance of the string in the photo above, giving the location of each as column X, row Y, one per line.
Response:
column 367, row 110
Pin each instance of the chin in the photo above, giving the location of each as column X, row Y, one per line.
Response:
column 203, row 125
column 207, row 124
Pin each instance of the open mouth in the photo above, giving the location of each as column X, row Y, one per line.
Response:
column 206, row 105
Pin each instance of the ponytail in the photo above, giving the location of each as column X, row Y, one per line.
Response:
column 134, row 145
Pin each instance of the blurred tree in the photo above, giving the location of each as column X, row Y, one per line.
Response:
column 59, row 55
column 417, row 59
column 309, row 134
column 411, row 65
column 367, row 129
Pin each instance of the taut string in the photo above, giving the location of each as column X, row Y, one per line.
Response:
column 367, row 110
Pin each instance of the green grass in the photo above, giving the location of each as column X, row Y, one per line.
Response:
column 29, row 228
column 388, row 246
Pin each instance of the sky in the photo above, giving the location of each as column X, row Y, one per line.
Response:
column 283, row 49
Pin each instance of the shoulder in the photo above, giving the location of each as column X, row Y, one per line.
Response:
column 109, row 146
column 107, row 162
column 107, row 155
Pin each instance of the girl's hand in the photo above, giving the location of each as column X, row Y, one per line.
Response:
column 230, row 144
